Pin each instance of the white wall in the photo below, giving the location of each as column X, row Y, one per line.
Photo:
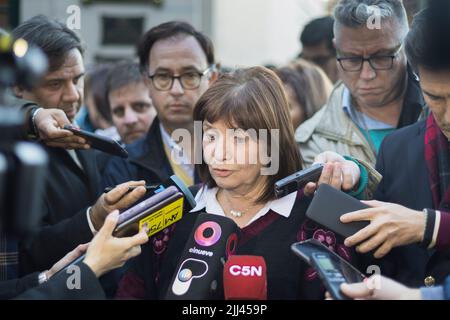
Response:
column 244, row 32
column 91, row 27
column 250, row 32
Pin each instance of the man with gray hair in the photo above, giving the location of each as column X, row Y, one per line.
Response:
column 378, row 93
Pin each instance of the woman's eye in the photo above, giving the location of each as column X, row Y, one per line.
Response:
column 210, row 137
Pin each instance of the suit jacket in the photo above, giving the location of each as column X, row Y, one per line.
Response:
column 401, row 161
column 69, row 191
column 56, row 288
column 147, row 161
column 12, row 288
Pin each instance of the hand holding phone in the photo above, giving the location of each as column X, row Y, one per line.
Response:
column 333, row 270
column 327, row 207
column 99, row 142
column 298, row 180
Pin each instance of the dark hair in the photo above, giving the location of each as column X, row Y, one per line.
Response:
column 170, row 30
column 95, row 82
column 122, row 74
column 428, row 41
column 309, row 82
column 53, row 37
column 318, row 31
column 251, row 98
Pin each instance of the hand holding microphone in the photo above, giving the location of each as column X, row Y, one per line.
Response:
column 153, row 214
column 107, row 252
column 118, row 198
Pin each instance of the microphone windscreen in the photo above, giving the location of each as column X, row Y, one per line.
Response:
column 245, row 278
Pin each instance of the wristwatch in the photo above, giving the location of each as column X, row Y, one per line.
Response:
column 32, row 130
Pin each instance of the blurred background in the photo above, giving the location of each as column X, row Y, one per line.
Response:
column 244, row 32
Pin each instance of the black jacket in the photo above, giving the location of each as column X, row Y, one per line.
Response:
column 56, row 288
column 401, row 161
column 147, row 161
column 69, row 191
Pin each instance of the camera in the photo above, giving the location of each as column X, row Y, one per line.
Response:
column 23, row 164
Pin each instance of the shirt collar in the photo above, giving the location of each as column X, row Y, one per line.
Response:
column 360, row 119
column 167, row 139
column 206, row 200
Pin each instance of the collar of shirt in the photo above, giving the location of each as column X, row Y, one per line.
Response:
column 74, row 157
column 206, row 199
column 181, row 158
column 359, row 118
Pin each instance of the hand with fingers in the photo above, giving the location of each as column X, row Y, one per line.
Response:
column 49, row 124
column 118, row 198
column 106, row 252
column 67, row 259
column 378, row 287
column 391, row 225
column 337, row 172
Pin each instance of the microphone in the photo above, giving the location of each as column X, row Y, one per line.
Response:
column 162, row 209
column 199, row 272
column 245, row 278
column 172, row 181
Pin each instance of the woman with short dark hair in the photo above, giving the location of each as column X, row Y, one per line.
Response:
column 248, row 144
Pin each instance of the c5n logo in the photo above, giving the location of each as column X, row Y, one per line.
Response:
column 74, row 281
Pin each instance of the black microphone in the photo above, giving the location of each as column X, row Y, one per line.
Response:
column 199, row 274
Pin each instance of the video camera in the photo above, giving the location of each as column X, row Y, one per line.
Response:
column 23, row 165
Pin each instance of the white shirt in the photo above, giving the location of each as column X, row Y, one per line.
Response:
column 206, row 200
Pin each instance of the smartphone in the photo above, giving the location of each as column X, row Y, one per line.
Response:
column 298, row 180
column 99, row 142
column 131, row 226
column 332, row 269
column 327, row 207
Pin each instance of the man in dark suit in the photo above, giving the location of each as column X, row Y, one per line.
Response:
column 80, row 281
column 179, row 62
column 72, row 212
column 415, row 164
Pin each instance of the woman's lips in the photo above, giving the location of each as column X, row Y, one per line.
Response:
column 222, row 172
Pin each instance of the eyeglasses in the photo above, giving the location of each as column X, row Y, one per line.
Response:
column 189, row 80
column 378, row 62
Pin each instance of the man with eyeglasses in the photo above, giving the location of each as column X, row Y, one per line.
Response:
column 178, row 62
column 378, row 93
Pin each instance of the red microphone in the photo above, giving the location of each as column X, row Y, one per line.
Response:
column 244, row 278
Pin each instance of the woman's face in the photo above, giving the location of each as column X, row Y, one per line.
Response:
column 296, row 110
column 232, row 156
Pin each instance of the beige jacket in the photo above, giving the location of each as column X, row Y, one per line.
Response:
column 330, row 129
